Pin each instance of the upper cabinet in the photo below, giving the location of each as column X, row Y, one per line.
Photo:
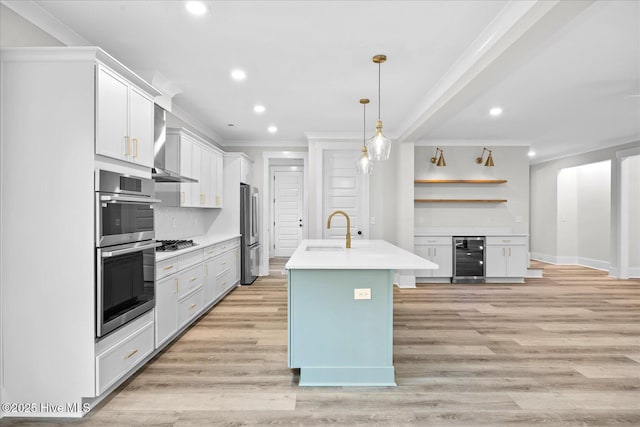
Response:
column 198, row 160
column 246, row 173
column 124, row 119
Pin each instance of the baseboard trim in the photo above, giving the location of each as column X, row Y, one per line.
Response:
column 571, row 260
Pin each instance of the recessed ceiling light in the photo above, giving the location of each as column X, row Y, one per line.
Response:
column 231, row 125
column 238, row 75
column 272, row 129
column 531, row 153
column 495, row 111
column 259, row 109
column 196, row 7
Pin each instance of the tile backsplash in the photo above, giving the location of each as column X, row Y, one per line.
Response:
column 183, row 223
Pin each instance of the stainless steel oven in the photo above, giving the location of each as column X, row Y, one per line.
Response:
column 125, row 249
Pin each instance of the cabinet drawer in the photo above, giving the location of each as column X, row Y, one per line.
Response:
column 116, row 361
column 506, row 240
column 210, row 252
column 190, row 279
column 189, row 307
column 433, row 240
column 224, row 282
column 166, row 267
column 224, row 262
column 189, row 259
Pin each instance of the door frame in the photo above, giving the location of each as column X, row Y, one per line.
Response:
column 272, row 170
column 620, row 182
column 266, row 219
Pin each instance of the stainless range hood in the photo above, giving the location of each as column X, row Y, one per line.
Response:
column 166, row 164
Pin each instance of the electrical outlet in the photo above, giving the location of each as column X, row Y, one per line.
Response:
column 362, row 293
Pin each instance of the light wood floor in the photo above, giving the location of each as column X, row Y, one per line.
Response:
column 563, row 350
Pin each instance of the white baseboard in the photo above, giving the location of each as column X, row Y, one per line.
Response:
column 571, row 260
column 433, row 279
column 634, row 272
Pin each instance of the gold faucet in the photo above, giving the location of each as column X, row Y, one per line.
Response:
column 348, row 225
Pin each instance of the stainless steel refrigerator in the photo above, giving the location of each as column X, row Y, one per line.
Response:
column 249, row 228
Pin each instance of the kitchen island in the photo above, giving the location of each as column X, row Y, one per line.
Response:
column 340, row 308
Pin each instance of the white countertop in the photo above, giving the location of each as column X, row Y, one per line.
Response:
column 331, row 254
column 420, row 234
column 201, row 241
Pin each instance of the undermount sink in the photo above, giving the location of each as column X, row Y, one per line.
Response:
column 324, row 248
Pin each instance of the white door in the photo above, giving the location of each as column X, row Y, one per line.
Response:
column 287, row 211
column 344, row 189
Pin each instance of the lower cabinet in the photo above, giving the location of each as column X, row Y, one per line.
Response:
column 438, row 250
column 506, row 256
column 190, row 283
column 122, row 351
column 166, row 309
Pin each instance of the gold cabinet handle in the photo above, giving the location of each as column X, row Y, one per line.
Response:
column 168, row 267
column 127, row 146
column 176, row 285
column 503, row 253
column 135, row 147
column 435, row 251
column 509, row 251
column 182, row 197
column 210, row 252
column 193, row 306
column 193, row 279
column 218, row 200
column 128, row 356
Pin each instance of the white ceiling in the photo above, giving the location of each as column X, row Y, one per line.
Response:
column 309, row 62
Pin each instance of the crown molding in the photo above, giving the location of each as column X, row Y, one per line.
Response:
column 34, row 13
column 264, row 143
column 471, row 143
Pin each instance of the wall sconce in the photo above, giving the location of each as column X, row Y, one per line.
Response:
column 489, row 161
column 440, row 161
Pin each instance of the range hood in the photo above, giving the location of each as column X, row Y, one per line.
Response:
column 166, row 164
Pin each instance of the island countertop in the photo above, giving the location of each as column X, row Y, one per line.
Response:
column 331, row 254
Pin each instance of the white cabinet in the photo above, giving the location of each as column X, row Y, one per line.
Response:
column 246, row 171
column 166, row 309
column 124, row 119
column 200, row 161
column 117, row 360
column 506, row 256
column 191, row 282
column 437, row 249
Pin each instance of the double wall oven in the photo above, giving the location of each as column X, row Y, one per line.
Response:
column 125, row 249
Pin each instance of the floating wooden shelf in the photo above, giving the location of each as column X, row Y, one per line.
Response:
column 460, row 181
column 460, row 200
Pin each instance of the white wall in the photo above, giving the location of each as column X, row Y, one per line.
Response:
column 544, row 201
column 511, row 163
column 567, row 217
column 15, row 31
column 584, row 215
column 634, row 214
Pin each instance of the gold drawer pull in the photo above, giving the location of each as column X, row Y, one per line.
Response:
column 182, row 197
column 131, row 354
column 168, row 267
column 127, row 150
column 135, row 146
column 193, row 279
column 506, row 241
column 193, row 306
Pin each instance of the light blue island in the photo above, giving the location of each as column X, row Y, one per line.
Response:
column 340, row 305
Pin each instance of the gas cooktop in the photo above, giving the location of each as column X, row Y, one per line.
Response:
column 174, row 245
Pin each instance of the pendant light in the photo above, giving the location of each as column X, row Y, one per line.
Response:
column 364, row 165
column 379, row 146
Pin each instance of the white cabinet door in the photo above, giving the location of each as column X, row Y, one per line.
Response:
column 443, row 256
column 219, row 181
column 186, row 189
column 235, row 265
column 209, row 281
column 424, row 252
column 197, row 198
column 206, row 178
column 166, row 309
column 112, row 136
column 495, row 261
column 516, row 261
column 141, row 128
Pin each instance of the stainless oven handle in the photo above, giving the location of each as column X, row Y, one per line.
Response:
column 130, row 250
column 128, row 199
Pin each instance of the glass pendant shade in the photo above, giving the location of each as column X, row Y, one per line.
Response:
column 364, row 165
column 379, row 146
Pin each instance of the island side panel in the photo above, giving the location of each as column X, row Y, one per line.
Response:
column 336, row 339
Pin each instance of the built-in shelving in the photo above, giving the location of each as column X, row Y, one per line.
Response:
column 460, row 200
column 460, row 181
